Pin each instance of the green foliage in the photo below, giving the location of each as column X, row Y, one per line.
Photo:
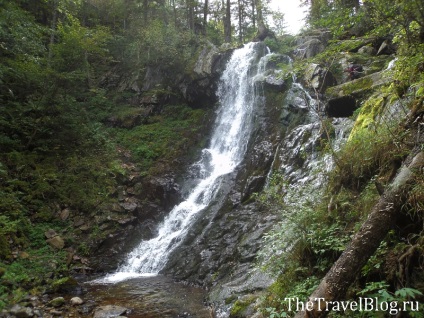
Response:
column 29, row 273
column 282, row 45
column 79, row 47
column 165, row 136
column 164, row 45
column 370, row 151
column 339, row 20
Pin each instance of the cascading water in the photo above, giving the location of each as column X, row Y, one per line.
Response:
column 227, row 148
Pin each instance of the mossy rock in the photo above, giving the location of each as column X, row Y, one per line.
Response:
column 65, row 285
column 242, row 307
column 370, row 111
column 57, row 302
column 359, row 87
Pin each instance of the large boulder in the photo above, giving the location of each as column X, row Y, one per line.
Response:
column 199, row 87
column 311, row 44
column 318, row 78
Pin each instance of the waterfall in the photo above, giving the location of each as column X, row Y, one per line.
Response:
column 232, row 130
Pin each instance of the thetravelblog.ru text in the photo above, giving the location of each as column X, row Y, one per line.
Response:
column 362, row 304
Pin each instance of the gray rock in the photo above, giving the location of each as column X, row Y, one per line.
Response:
column 309, row 49
column 129, row 206
column 21, row 312
column 204, row 64
column 76, row 301
column 50, row 233
column 367, row 50
column 109, row 311
column 56, row 242
column 318, row 78
column 273, row 81
column 55, row 312
column 64, row 214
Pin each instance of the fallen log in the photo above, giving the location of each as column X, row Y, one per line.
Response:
column 382, row 218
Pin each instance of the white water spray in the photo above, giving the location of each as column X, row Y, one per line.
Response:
column 228, row 146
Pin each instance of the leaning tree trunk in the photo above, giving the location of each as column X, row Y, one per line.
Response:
column 383, row 216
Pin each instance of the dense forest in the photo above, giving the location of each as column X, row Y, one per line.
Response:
column 98, row 95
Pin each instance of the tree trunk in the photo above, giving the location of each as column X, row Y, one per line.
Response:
column 227, row 22
column 53, row 30
column 383, row 216
column 263, row 31
column 253, row 14
column 174, row 9
column 240, row 20
column 205, row 16
column 145, row 11
column 190, row 14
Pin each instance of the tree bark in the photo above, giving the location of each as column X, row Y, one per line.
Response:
column 253, row 14
column 190, row 14
column 205, row 16
column 383, row 216
column 263, row 32
column 240, row 20
column 55, row 5
column 227, row 22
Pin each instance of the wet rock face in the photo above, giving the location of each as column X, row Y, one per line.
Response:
column 143, row 203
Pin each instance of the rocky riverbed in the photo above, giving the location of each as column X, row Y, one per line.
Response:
column 147, row 297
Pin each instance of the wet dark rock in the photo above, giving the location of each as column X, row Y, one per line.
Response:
column 163, row 189
column 253, row 185
column 87, row 308
column 341, row 107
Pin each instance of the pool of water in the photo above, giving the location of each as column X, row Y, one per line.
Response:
column 151, row 297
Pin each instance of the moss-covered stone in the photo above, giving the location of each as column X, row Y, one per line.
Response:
column 241, row 306
column 66, row 284
column 371, row 110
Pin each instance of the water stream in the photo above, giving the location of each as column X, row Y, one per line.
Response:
column 237, row 100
